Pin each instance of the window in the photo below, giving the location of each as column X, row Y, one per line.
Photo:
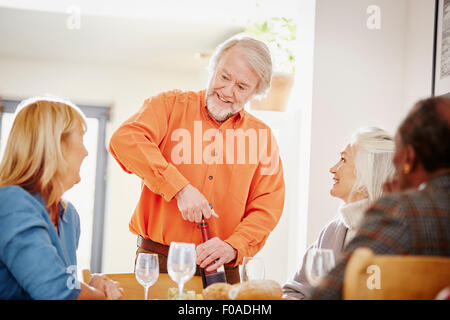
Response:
column 88, row 196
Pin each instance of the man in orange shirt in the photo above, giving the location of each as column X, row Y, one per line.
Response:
column 200, row 154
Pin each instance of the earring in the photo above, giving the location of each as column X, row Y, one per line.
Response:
column 406, row 168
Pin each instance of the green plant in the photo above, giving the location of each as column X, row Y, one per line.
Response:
column 279, row 34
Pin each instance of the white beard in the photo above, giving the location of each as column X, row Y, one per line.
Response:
column 219, row 113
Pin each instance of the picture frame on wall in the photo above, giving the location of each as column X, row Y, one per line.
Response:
column 441, row 57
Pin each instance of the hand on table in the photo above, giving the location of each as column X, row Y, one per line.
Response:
column 193, row 204
column 110, row 289
column 214, row 253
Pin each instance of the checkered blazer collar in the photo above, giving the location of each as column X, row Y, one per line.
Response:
column 439, row 182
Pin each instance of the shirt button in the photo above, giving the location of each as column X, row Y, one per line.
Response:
column 215, row 154
column 220, row 130
column 210, row 177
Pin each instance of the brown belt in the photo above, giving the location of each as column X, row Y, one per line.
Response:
column 232, row 273
column 150, row 245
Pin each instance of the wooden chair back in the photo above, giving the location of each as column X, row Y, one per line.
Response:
column 394, row 277
column 133, row 290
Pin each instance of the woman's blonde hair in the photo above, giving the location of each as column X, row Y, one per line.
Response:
column 33, row 156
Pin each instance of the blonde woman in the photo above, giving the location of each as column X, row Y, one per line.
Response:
column 39, row 231
column 359, row 175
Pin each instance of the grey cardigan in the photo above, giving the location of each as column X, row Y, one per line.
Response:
column 331, row 237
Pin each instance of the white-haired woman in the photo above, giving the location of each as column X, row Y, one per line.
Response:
column 363, row 167
column 39, row 231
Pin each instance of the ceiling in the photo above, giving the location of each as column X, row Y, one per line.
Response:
column 161, row 34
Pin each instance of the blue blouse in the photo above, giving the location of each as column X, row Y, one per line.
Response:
column 35, row 261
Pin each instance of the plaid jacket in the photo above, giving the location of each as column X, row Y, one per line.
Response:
column 414, row 222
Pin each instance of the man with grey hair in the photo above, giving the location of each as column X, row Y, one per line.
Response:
column 202, row 157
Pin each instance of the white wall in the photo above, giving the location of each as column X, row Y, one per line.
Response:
column 362, row 77
column 418, row 51
column 279, row 251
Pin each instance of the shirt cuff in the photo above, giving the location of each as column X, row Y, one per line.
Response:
column 74, row 293
column 174, row 182
column 235, row 243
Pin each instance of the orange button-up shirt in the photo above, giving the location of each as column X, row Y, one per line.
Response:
column 172, row 141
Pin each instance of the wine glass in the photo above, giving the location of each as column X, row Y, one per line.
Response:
column 252, row 269
column 181, row 263
column 147, row 270
column 318, row 263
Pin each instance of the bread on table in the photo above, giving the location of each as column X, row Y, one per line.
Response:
column 257, row 290
column 217, row 291
column 249, row 290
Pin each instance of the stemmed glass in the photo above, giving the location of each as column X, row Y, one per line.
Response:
column 252, row 269
column 181, row 263
column 147, row 270
column 318, row 263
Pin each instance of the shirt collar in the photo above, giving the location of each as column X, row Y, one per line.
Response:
column 41, row 200
column 236, row 118
column 442, row 181
column 240, row 114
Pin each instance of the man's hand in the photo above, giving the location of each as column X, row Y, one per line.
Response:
column 214, row 253
column 193, row 204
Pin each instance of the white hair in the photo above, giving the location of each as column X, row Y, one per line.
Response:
column 373, row 162
column 257, row 55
